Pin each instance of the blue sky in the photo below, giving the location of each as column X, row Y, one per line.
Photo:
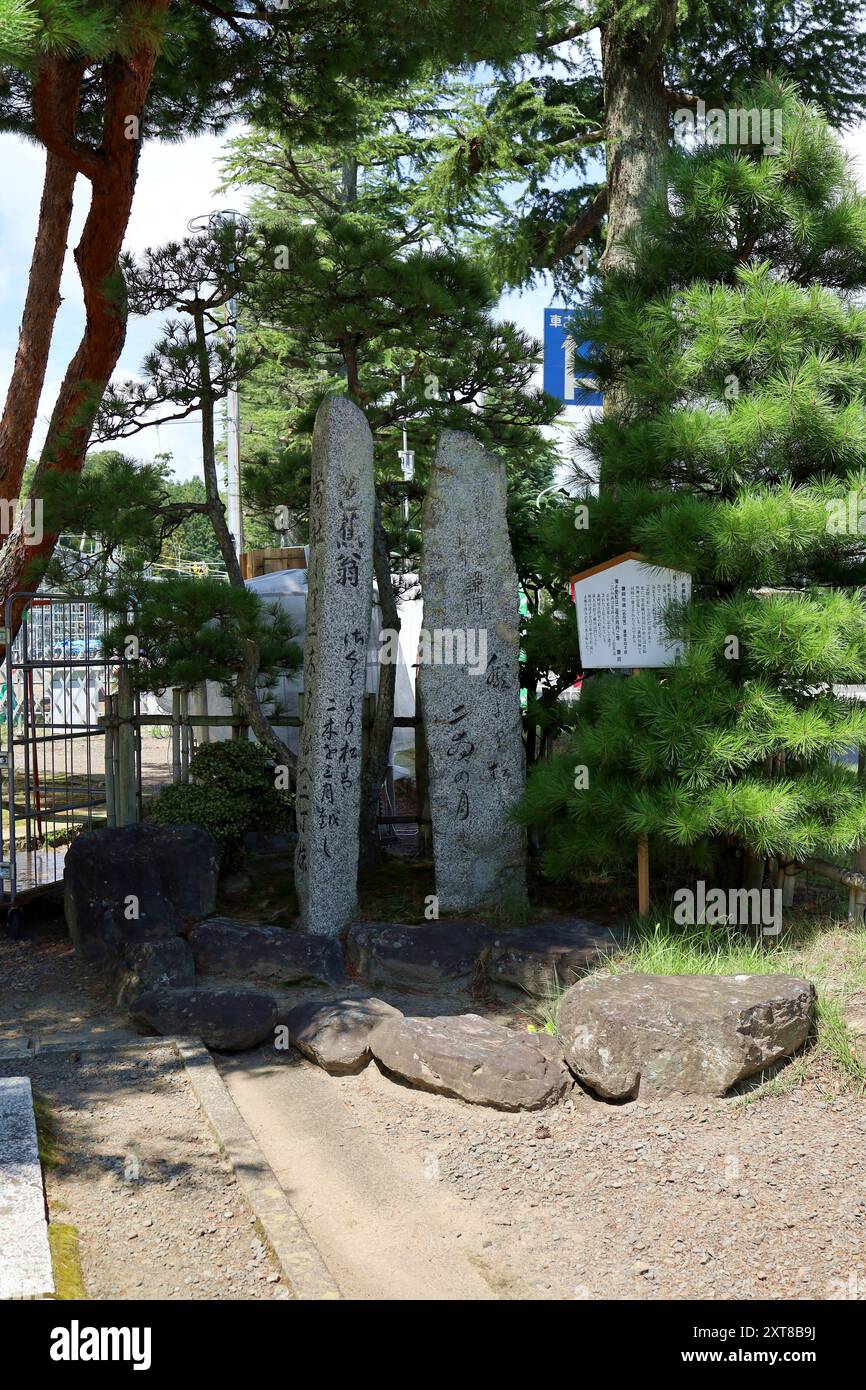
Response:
column 176, row 182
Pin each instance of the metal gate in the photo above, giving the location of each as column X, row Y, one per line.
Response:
column 57, row 686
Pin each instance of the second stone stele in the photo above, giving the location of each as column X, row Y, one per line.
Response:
column 339, row 605
column 470, row 683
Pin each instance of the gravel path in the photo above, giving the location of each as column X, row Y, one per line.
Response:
column 651, row 1201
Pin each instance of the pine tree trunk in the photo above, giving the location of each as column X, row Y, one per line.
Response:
column 380, row 735
column 637, row 134
column 112, row 171
column 637, row 127
column 58, row 85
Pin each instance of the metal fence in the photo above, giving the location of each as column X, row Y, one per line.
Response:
column 56, row 687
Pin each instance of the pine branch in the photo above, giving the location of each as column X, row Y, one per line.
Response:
column 580, row 230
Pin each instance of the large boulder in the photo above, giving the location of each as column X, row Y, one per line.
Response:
column 473, row 1059
column 228, row 1020
column 336, row 1034
column 538, row 958
column 137, row 883
column 272, row 955
column 435, row 955
column 147, row 965
column 625, row 1035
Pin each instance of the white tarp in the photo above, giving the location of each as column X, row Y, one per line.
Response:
column 287, row 590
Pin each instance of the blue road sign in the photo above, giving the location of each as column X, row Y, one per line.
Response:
column 565, row 376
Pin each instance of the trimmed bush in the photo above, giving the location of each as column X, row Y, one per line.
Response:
column 231, row 791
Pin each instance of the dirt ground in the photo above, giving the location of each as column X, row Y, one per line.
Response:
column 134, row 1166
column 722, row 1200
column 410, row 1195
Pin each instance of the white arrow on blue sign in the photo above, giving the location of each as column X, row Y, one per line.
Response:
column 565, row 377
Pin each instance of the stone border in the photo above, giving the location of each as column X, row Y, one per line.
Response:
column 298, row 1258
column 26, row 1269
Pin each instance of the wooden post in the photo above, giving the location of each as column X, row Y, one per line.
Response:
column 175, row 735
column 184, row 736
column 125, row 797
column 643, row 874
column 643, row 879
column 110, row 796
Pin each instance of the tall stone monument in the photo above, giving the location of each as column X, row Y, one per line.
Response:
column 469, row 679
column 339, row 603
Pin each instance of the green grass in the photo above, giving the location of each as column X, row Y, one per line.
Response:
column 65, row 1262
column 818, row 949
column 668, row 949
column 46, row 1133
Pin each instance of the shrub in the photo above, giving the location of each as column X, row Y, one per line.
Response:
column 231, row 790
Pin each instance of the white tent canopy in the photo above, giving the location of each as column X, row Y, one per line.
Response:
column 287, row 590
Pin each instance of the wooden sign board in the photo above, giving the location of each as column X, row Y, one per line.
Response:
column 621, row 608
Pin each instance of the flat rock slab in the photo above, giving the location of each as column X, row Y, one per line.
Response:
column 430, row 956
column 25, row 1265
column 260, row 954
column 153, row 965
column 625, row 1035
column 473, row 1059
column 228, row 1020
column 537, row 958
column 336, row 1035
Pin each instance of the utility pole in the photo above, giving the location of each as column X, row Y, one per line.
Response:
column 407, row 458
column 233, row 436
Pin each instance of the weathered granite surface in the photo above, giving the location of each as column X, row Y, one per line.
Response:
column 428, row 956
column 258, row 954
column 25, row 1257
column 137, row 883
column 336, row 1034
column 546, row 955
column 629, row 1035
column 472, row 700
column 339, row 605
column 149, row 965
column 473, row 1059
column 228, row 1020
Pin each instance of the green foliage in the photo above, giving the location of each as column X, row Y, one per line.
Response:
column 191, row 630
column 739, row 743
column 515, row 157
column 353, row 292
column 231, row 791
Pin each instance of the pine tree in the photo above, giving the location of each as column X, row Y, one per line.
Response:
column 739, row 346
column 84, row 78
column 543, row 165
column 354, row 295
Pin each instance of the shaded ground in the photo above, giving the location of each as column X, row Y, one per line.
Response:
column 413, row 1195
column 135, row 1168
column 159, row 1214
